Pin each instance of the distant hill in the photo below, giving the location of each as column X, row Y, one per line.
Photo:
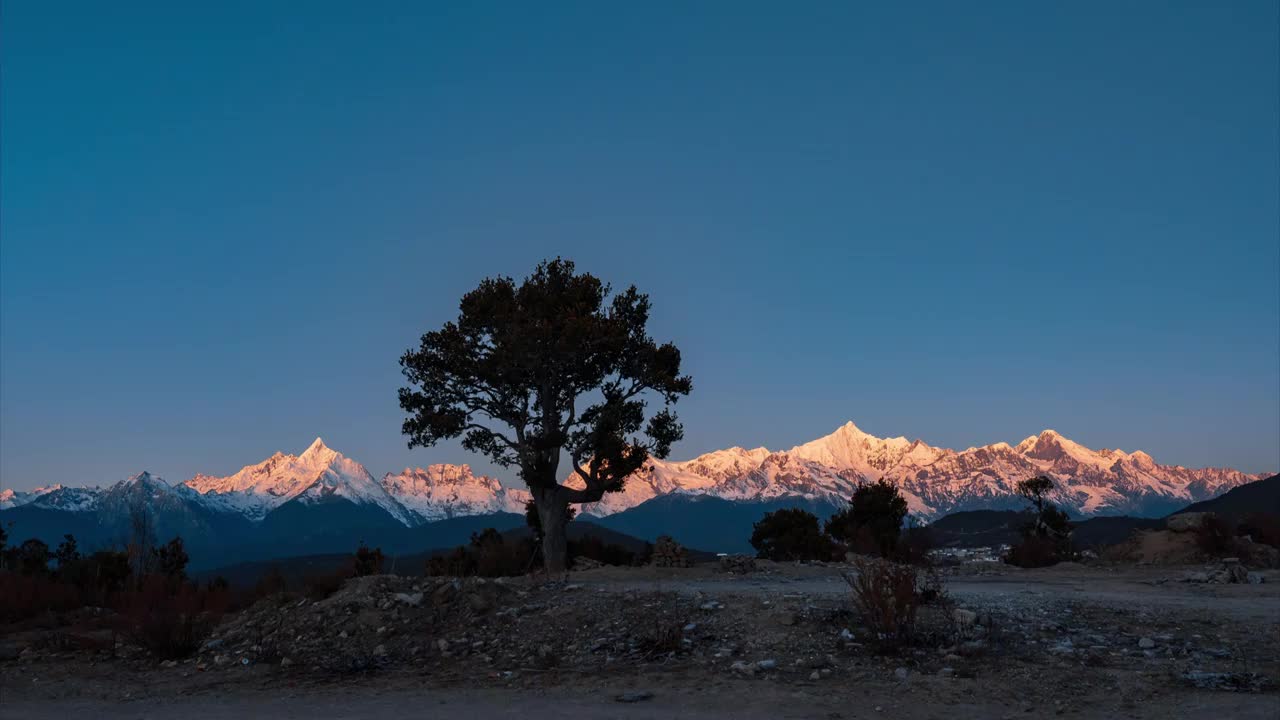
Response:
column 295, row 570
column 986, row 528
column 1260, row 496
column 703, row 521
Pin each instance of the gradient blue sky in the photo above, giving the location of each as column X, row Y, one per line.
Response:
column 966, row 222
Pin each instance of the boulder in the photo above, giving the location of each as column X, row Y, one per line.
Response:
column 1186, row 522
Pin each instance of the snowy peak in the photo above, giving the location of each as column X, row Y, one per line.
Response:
column 318, row 474
column 443, row 491
column 849, row 448
column 934, row 480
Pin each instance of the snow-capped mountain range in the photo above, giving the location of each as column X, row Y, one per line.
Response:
column 934, row 480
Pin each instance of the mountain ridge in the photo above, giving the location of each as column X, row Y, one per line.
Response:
column 935, row 480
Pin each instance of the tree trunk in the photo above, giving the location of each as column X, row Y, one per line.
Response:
column 553, row 511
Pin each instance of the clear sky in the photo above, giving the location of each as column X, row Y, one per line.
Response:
column 223, row 222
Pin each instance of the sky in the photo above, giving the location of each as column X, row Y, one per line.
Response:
column 222, row 223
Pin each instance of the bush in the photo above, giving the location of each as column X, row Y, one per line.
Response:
column 1216, row 536
column 885, row 595
column 790, row 534
column 170, row 623
column 1034, row 551
column 368, row 561
column 27, row 596
column 1262, row 527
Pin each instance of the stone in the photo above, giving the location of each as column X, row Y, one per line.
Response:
column 964, row 618
column 380, row 650
column 1146, row 643
column 743, row 667
column 633, row 697
column 846, row 635
column 901, row 674
column 815, row 675
column 286, row 662
column 947, row 672
column 1255, row 578
column 1186, row 522
column 767, row 664
column 412, row 599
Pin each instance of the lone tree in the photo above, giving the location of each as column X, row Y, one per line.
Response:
column 873, row 520
column 556, row 365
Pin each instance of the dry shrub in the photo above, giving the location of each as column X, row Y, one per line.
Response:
column 1263, row 527
column 665, row 638
column 26, row 596
column 170, row 620
column 1215, row 536
column 886, row 597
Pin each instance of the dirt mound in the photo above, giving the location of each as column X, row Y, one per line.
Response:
column 1158, row 547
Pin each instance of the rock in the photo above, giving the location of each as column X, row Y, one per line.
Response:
column 586, row 563
column 689, row 628
column 901, row 674
column 743, row 667
column 1255, row 578
column 767, row 664
column 947, row 672
column 1186, row 522
column 1196, row 577
column 480, row 603
column 710, row 605
column 414, row 599
column 285, row 662
column 964, row 618
column 669, row 553
column 815, row 675
column 169, row 664
column 1146, row 643
column 737, row 564
column 846, row 635
column 380, row 650
column 213, row 644
column 632, row 697
column 787, row 619
column 1225, row 680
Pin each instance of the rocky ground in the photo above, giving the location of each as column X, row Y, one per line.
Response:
column 1097, row 641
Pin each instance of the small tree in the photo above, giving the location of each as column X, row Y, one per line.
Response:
column 557, row 365
column 1047, row 537
column 790, row 534
column 873, row 518
column 67, row 552
column 142, row 538
column 368, row 561
column 170, row 560
column 32, row 557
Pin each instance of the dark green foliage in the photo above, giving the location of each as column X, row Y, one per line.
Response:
column 1216, row 536
column 873, row 521
column 790, row 534
column 1262, row 527
column 534, row 520
column 368, row 561
column 170, row 560
column 31, row 557
column 67, row 552
column 558, row 364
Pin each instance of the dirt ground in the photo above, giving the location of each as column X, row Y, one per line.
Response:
column 1086, row 642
